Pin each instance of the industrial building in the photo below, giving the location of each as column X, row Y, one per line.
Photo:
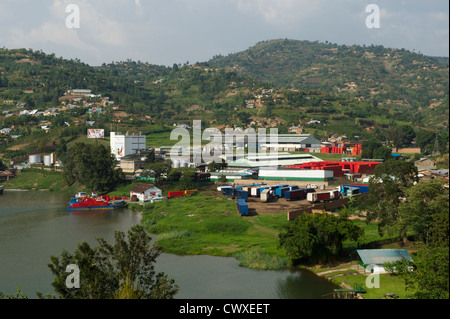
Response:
column 123, row 145
column 253, row 161
column 373, row 259
column 273, row 142
column 279, row 174
column 290, row 142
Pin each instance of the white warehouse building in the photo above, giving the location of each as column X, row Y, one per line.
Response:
column 128, row 144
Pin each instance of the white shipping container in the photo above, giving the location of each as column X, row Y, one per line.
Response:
column 265, row 195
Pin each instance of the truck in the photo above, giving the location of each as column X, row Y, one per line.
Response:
column 256, row 191
column 296, row 194
column 279, row 192
column 348, row 190
column 363, row 188
column 322, row 196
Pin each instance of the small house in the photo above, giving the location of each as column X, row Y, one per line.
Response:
column 425, row 163
column 145, row 192
column 373, row 259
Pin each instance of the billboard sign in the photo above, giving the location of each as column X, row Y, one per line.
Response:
column 96, row 133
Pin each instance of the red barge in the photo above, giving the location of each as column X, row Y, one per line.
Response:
column 82, row 202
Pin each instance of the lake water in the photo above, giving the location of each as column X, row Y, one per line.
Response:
column 35, row 225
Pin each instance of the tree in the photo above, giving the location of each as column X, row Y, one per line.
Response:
column 187, row 178
column 374, row 149
column 428, row 275
column 387, row 190
column 426, row 211
column 317, row 238
column 403, row 172
column 122, row 270
column 91, row 165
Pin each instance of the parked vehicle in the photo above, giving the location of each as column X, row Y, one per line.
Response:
column 279, row 192
column 296, row 194
column 322, row 196
column 256, row 191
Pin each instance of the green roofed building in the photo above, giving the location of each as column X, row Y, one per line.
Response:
column 375, row 258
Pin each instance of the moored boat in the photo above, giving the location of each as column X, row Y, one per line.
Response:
column 82, row 202
column 1, row 189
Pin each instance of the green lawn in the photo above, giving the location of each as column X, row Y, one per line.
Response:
column 37, row 179
column 387, row 284
column 208, row 223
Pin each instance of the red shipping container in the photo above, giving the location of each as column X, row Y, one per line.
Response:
column 176, row 194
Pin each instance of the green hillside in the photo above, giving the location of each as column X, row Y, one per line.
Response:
column 361, row 92
column 398, row 79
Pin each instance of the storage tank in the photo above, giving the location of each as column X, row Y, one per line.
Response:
column 35, row 159
column 48, row 160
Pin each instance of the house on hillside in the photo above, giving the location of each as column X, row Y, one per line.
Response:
column 373, row 259
column 145, row 193
column 425, row 163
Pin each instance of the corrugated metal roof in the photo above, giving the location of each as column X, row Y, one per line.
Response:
column 380, row 256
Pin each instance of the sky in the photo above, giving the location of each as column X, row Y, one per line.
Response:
column 165, row 32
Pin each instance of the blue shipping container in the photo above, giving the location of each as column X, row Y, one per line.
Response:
column 242, row 208
column 280, row 191
column 362, row 189
column 241, row 194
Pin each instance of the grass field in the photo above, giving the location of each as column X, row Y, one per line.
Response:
column 208, row 223
column 387, row 284
column 38, row 179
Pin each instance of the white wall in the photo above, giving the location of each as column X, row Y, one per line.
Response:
column 123, row 145
column 297, row 173
column 148, row 195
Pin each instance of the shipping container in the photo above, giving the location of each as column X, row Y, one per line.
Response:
column 309, row 190
column 362, row 188
column 256, row 191
column 242, row 207
column 228, row 191
column 322, row 196
column 266, row 195
column 240, row 194
column 175, row 194
column 297, row 194
column 348, row 190
column 279, row 192
column 335, row 194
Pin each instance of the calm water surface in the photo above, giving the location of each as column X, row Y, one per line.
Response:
column 35, row 225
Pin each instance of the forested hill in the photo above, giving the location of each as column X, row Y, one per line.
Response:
column 408, row 81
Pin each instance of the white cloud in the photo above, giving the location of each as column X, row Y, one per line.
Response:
column 282, row 13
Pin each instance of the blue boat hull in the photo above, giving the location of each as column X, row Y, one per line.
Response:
column 115, row 205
